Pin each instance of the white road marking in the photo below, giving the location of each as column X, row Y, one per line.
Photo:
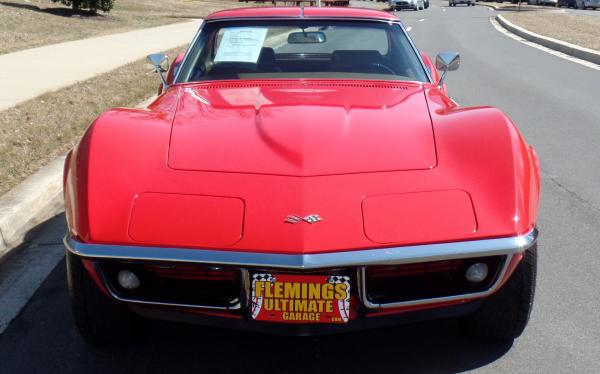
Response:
column 576, row 60
column 443, row 9
column 408, row 28
column 422, row 19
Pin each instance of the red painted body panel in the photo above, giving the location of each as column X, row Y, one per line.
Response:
column 299, row 129
column 267, row 12
column 221, row 164
column 125, row 153
column 182, row 220
column 457, row 221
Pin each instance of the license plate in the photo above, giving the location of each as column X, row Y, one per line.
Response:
column 294, row 298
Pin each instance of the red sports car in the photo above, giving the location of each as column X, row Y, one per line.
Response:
column 303, row 171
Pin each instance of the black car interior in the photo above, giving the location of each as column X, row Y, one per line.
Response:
column 343, row 61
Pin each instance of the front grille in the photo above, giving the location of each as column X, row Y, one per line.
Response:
column 181, row 284
column 427, row 280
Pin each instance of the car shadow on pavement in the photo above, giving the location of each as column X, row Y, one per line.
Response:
column 426, row 347
column 43, row 338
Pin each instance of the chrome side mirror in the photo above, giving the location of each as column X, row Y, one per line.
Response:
column 160, row 61
column 446, row 61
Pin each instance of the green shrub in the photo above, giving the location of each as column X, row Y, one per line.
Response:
column 92, row 5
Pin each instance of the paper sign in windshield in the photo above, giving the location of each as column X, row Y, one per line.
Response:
column 241, row 44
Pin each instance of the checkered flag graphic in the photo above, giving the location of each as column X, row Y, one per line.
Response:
column 258, row 301
column 343, row 305
column 263, row 277
column 339, row 279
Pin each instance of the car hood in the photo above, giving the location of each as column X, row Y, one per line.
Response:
column 302, row 128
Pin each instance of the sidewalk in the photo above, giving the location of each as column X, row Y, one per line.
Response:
column 29, row 73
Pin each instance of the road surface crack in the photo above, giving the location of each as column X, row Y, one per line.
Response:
column 572, row 193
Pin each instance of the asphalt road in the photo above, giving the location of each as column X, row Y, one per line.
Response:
column 556, row 104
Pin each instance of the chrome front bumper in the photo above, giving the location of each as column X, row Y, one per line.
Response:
column 359, row 259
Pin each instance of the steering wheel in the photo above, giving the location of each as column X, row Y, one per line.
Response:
column 381, row 67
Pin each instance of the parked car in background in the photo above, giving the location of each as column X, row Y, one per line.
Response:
column 584, row 4
column 544, row 2
column 407, row 4
column 566, row 3
column 455, row 2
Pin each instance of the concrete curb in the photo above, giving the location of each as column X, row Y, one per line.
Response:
column 537, row 8
column 564, row 47
column 487, row 5
column 35, row 200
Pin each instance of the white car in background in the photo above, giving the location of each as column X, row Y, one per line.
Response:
column 406, row 4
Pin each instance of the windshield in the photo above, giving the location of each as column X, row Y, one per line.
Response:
column 283, row 49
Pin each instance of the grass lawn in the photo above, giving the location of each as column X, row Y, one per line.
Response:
column 33, row 23
column 581, row 30
column 35, row 132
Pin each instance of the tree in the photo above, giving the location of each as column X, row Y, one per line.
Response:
column 92, row 5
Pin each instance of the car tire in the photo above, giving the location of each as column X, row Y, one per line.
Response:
column 100, row 320
column 504, row 315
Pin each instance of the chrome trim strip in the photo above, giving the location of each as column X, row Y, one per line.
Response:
column 416, row 51
column 396, row 21
column 236, row 306
column 362, row 281
column 309, row 18
column 355, row 258
column 246, row 288
column 187, row 52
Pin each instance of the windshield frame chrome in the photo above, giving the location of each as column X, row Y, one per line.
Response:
column 362, row 19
